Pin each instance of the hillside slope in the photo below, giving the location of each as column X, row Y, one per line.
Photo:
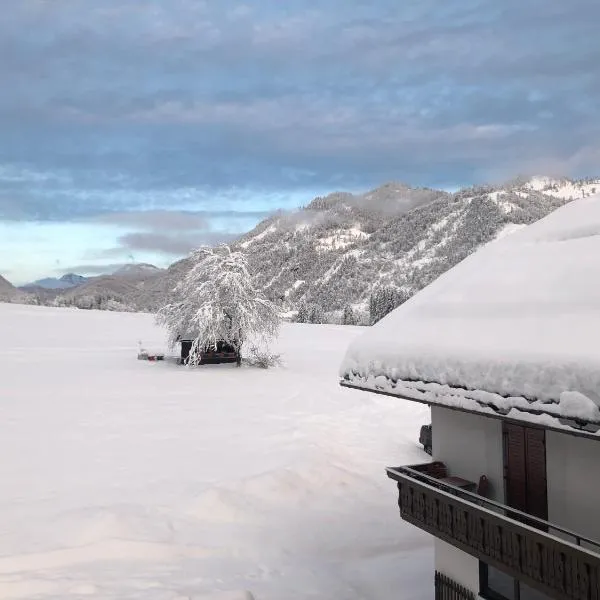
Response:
column 127, row 289
column 339, row 249
column 6, row 288
column 311, row 254
column 9, row 293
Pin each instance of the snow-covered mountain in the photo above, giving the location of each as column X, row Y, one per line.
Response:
column 137, row 270
column 68, row 280
column 128, row 288
column 339, row 249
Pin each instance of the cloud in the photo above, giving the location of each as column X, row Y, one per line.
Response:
column 91, row 269
column 152, row 219
column 181, row 94
column 167, row 244
column 176, row 220
column 169, row 233
column 163, row 124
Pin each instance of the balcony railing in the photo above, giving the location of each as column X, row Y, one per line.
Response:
column 447, row 589
column 553, row 560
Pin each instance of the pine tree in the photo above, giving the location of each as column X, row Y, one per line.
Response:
column 349, row 317
column 303, row 315
column 384, row 300
column 317, row 314
column 217, row 301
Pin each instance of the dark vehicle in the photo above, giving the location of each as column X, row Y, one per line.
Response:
column 425, row 438
column 221, row 353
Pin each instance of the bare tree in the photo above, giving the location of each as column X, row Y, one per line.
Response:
column 217, row 302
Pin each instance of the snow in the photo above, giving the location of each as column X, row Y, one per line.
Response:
column 295, row 286
column 519, row 319
column 131, row 479
column 341, row 239
column 563, row 188
column 426, row 251
column 506, row 207
column 539, row 183
column 508, row 229
column 259, row 236
column 499, row 197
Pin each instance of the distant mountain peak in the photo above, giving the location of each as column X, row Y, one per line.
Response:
column 68, row 280
column 73, row 278
column 136, row 269
column 396, row 186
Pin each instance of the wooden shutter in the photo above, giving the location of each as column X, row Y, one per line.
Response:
column 537, row 494
column 515, row 468
column 525, row 470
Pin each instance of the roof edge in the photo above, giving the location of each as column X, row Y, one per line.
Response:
column 582, row 428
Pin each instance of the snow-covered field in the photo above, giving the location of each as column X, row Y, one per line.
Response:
column 124, row 479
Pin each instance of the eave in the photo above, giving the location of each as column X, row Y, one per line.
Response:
column 580, row 428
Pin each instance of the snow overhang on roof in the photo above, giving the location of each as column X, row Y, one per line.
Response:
column 514, row 329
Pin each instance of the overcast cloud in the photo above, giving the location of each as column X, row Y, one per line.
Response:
column 211, row 106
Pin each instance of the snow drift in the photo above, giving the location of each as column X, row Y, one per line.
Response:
column 126, row 479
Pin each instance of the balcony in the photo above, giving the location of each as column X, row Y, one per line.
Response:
column 555, row 561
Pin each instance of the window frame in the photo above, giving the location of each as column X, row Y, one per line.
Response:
column 490, row 594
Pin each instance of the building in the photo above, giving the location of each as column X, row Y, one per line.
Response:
column 221, row 352
column 505, row 348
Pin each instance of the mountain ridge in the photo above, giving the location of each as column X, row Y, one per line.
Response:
column 339, row 249
column 339, row 264
column 9, row 293
column 68, row 280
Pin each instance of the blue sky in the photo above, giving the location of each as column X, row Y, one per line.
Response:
column 138, row 129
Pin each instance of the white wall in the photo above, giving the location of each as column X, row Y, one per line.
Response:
column 470, row 446
column 573, row 483
column 458, row 565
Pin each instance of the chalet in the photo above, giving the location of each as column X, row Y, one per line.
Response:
column 505, row 349
column 221, row 352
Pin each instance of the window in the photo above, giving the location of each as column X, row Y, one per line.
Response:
column 497, row 585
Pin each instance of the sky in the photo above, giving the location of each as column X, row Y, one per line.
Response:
column 136, row 130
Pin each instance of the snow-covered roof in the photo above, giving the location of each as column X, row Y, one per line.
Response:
column 514, row 328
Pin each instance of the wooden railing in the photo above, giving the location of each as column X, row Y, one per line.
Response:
column 554, row 566
column 447, row 589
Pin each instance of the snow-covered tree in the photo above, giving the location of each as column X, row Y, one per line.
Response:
column 349, row 318
column 311, row 313
column 317, row 314
column 303, row 315
column 217, row 301
column 384, row 300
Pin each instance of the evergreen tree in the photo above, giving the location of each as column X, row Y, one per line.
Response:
column 303, row 314
column 349, row 318
column 317, row 314
column 384, row 300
